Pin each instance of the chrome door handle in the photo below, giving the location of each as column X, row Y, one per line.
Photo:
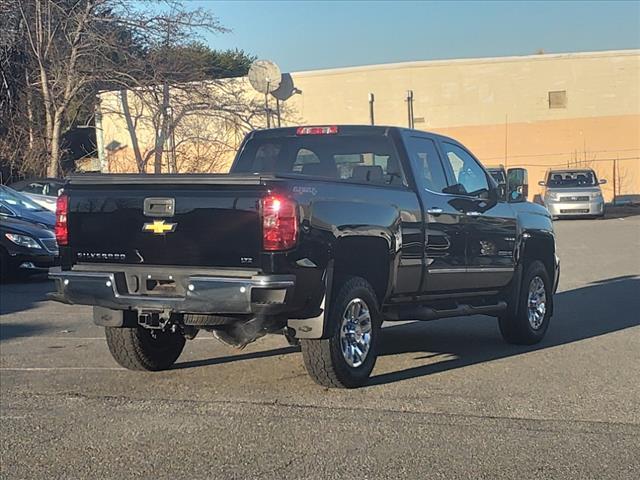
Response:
column 434, row 211
column 473, row 214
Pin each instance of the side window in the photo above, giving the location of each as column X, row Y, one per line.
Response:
column 466, row 170
column 426, row 164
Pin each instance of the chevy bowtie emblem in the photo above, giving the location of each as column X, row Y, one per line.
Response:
column 159, row 227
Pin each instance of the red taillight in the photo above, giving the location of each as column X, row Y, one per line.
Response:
column 332, row 130
column 62, row 209
column 279, row 223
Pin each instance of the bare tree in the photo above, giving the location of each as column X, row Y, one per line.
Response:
column 80, row 43
column 198, row 124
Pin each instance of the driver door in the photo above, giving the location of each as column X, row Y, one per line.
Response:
column 489, row 222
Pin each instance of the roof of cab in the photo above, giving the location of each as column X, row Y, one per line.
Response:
column 342, row 130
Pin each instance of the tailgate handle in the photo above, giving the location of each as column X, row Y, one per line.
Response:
column 159, row 207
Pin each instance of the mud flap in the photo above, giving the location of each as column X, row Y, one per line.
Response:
column 316, row 327
column 106, row 317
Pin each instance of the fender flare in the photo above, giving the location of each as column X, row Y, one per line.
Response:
column 516, row 287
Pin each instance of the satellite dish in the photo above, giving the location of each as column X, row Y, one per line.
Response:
column 264, row 76
column 286, row 88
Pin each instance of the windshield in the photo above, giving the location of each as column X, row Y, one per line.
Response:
column 12, row 198
column 572, row 179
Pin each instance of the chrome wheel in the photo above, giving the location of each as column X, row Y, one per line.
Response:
column 536, row 302
column 355, row 332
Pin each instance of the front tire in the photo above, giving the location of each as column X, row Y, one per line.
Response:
column 347, row 357
column 533, row 310
column 143, row 349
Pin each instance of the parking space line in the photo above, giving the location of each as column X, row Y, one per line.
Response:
column 52, row 337
column 48, row 369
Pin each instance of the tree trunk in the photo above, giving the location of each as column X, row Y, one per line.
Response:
column 29, row 108
column 54, row 151
column 161, row 136
column 133, row 135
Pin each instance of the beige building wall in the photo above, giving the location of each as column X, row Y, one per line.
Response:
column 498, row 107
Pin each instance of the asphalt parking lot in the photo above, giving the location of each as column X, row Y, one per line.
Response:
column 448, row 398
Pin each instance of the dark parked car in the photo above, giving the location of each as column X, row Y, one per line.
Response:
column 16, row 205
column 318, row 232
column 25, row 246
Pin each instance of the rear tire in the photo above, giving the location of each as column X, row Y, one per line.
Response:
column 137, row 349
column 338, row 361
column 529, row 325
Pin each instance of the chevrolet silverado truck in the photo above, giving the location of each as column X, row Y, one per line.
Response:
column 317, row 233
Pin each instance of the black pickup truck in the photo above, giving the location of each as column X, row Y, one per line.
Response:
column 320, row 233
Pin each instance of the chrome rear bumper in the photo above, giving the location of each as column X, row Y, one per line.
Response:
column 200, row 294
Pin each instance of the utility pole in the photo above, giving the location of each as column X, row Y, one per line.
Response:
column 278, row 111
column 266, row 105
column 506, row 137
column 615, row 179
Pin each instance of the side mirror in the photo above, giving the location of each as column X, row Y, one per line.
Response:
column 541, row 183
column 602, row 181
column 517, row 185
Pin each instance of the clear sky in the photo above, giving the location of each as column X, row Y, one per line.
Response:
column 307, row 35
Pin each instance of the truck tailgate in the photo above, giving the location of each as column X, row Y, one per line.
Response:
column 157, row 221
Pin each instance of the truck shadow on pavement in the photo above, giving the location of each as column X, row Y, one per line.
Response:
column 23, row 294
column 14, row 330
column 235, row 358
column 602, row 307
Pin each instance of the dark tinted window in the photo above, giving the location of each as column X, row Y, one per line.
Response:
column 364, row 159
column 466, row 170
column 426, row 163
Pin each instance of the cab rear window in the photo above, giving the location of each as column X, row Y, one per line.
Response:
column 363, row 159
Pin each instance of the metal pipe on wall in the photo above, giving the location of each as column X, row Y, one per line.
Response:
column 410, row 108
column 371, row 115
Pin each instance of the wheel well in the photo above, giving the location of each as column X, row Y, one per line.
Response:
column 543, row 249
column 364, row 257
